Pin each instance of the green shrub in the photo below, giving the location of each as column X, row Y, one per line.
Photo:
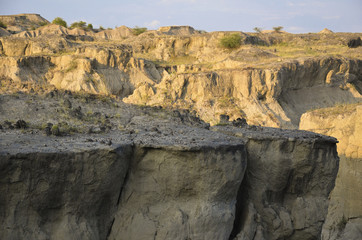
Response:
column 231, row 41
column 101, row 28
column 90, row 26
column 2, row 25
column 80, row 24
column 277, row 29
column 138, row 30
column 59, row 21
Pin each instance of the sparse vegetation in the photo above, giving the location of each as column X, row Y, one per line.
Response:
column 60, row 21
column 231, row 41
column 277, row 29
column 138, row 30
column 258, row 30
column 101, row 28
column 2, row 25
column 89, row 26
column 80, row 24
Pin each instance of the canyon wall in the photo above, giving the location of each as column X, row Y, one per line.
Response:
column 189, row 184
column 344, row 218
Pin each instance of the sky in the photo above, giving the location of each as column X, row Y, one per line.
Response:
column 295, row 16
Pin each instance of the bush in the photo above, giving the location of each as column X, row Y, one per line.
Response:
column 2, row 25
column 231, row 41
column 101, row 28
column 80, row 24
column 258, row 30
column 59, row 21
column 277, row 29
column 90, row 26
column 138, row 30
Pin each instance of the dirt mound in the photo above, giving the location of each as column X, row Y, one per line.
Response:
column 326, row 31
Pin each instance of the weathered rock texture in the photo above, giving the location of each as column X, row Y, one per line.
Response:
column 288, row 180
column 59, row 190
column 152, row 176
column 344, row 218
column 23, row 22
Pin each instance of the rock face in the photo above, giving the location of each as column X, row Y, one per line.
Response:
column 22, row 22
column 344, row 219
column 54, row 191
column 158, row 176
column 76, row 164
column 287, row 183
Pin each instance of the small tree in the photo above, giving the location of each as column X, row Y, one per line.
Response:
column 101, row 28
column 231, row 41
column 277, row 29
column 138, row 30
column 59, row 21
column 89, row 26
column 258, row 30
column 79, row 24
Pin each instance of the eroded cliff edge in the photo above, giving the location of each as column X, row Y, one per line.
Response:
column 162, row 176
column 344, row 122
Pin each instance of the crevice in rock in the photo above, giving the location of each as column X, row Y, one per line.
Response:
column 240, row 203
column 110, row 229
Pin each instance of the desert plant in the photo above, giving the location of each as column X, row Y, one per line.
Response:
column 80, row 24
column 60, row 21
column 2, row 25
column 138, row 30
column 101, row 28
column 89, row 26
column 258, row 30
column 277, row 29
column 231, row 41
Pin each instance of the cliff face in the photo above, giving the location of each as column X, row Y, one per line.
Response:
column 343, row 122
column 273, row 95
column 88, row 166
column 150, row 190
column 48, row 193
column 158, row 175
column 287, row 182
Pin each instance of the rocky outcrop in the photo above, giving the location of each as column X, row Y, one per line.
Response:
column 287, row 183
column 344, row 218
column 51, row 190
column 186, row 185
column 271, row 97
column 154, row 173
column 23, row 22
column 177, row 30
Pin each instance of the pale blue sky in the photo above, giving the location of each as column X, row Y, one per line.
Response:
column 210, row 15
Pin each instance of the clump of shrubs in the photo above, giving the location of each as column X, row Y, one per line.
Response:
column 231, row 41
column 60, row 21
column 138, row 30
column 277, row 29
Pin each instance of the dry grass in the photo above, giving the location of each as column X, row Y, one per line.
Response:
column 336, row 110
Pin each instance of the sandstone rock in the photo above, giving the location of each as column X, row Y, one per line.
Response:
column 59, row 194
column 344, row 123
column 326, row 31
column 285, row 191
column 21, row 22
column 177, row 30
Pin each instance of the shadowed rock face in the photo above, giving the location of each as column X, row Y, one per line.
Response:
column 284, row 194
column 180, row 183
column 60, row 194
